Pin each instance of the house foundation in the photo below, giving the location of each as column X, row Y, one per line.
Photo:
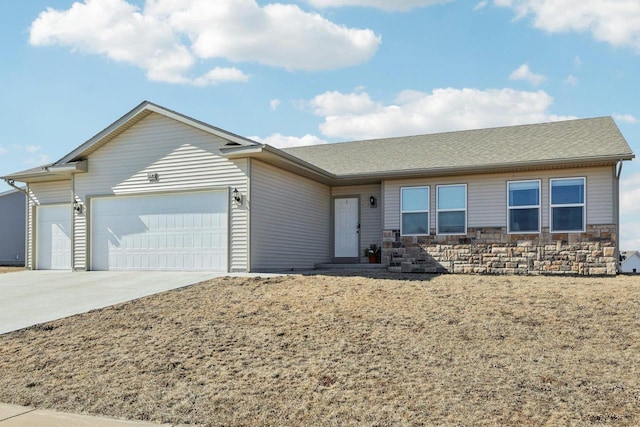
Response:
column 491, row 250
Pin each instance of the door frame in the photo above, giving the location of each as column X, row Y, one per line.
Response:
column 37, row 234
column 344, row 260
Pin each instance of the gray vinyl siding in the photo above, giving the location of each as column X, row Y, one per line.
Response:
column 43, row 193
column 290, row 220
column 12, row 228
column 370, row 218
column 185, row 158
column 487, row 196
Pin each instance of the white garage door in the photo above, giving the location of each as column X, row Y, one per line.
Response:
column 53, row 237
column 186, row 231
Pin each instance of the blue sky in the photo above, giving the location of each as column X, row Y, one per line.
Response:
column 317, row 71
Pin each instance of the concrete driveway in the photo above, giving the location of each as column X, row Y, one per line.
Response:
column 31, row 297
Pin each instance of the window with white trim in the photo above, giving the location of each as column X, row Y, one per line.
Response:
column 523, row 206
column 452, row 209
column 567, row 204
column 414, row 211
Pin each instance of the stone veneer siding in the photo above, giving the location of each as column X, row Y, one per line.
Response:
column 490, row 250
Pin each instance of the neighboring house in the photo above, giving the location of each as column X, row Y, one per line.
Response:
column 159, row 190
column 631, row 263
column 12, row 227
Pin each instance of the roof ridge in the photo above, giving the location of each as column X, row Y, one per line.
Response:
column 457, row 131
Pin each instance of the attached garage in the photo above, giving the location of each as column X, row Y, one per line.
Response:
column 168, row 231
column 53, row 231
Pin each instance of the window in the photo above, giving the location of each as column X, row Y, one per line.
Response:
column 452, row 209
column 414, row 208
column 523, row 206
column 567, row 204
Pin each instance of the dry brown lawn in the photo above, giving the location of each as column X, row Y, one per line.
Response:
column 10, row 269
column 323, row 350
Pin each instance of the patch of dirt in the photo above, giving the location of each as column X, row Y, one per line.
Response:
column 10, row 269
column 323, row 350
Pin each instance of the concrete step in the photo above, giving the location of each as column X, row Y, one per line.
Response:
column 363, row 266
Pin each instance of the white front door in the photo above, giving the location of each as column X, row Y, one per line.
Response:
column 346, row 229
column 53, row 241
column 175, row 231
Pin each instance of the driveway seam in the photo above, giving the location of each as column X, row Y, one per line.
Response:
column 18, row 415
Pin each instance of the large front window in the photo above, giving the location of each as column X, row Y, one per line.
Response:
column 523, row 206
column 414, row 206
column 452, row 209
column 567, row 204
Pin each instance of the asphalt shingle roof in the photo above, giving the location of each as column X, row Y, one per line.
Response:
column 572, row 140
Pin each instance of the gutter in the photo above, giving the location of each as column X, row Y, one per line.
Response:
column 335, row 179
column 49, row 172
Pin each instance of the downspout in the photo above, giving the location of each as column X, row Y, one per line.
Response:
column 617, row 206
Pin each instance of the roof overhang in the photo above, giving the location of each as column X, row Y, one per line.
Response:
column 280, row 159
column 357, row 179
column 54, row 172
column 294, row 164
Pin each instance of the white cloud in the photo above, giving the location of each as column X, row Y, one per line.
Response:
column 32, row 148
column 571, row 80
column 630, row 194
column 386, row 5
column 3, row 150
column 447, row 109
column 281, row 141
column 38, row 160
column 626, row 118
column 629, row 235
column 336, row 103
column 274, row 104
column 616, row 22
column 221, row 75
column 168, row 37
column 524, row 73
column 481, row 5
column 577, row 61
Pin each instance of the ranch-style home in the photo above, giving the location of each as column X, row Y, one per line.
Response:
column 159, row 190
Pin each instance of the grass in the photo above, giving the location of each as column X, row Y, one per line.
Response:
column 10, row 269
column 322, row 350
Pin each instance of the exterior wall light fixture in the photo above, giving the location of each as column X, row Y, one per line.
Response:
column 373, row 202
column 236, row 195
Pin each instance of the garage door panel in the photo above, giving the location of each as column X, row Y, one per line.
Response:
column 169, row 232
